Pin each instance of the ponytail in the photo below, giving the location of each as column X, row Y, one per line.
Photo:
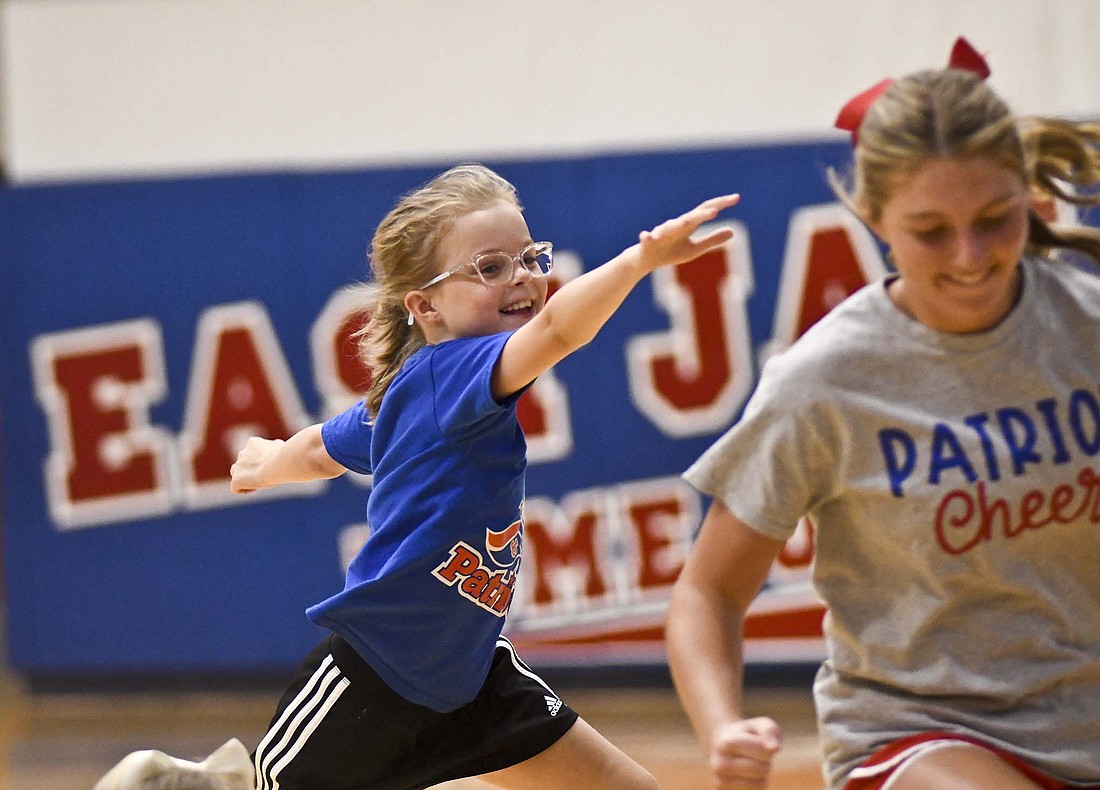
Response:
column 385, row 343
column 1063, row 161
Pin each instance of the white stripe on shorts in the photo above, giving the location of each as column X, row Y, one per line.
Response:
column 520, row 666
column 314, row 700
column 901, row 759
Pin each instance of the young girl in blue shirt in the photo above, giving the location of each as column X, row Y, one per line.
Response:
column 415, row 684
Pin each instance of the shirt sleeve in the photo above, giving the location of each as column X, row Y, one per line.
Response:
column 347, row 438
column 774, row 464
column 461, row 377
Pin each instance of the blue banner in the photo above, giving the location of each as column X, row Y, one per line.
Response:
column 147, row 326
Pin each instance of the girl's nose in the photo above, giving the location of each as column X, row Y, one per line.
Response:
column 520, row 272
column 970, row 253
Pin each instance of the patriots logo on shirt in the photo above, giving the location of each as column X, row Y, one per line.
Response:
column 504, row 547
column 474, row 576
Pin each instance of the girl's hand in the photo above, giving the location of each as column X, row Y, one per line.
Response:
column 583, row 305
column 740, row 753
column 246, row 471
column 671, row 243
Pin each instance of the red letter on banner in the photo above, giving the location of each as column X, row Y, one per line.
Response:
column 341, row 374
column 691, row 379
column 567, row 571
column 240, row 386
column 663, row 513
column 96, row 385
column 830, row 254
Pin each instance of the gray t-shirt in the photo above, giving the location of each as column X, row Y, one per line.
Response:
column 954, row 485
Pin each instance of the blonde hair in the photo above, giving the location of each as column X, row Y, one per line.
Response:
column 951, row 113
column 403, row 256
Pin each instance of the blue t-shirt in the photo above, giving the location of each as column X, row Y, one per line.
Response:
column 426, row 597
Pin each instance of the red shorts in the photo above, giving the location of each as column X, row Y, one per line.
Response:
column 875, row 772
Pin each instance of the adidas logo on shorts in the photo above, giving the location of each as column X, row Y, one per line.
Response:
column 553, row 704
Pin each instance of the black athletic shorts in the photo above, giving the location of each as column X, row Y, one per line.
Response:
column 339, row 726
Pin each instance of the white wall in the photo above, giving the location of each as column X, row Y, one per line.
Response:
column 109, row 88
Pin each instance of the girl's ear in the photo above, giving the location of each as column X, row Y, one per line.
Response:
column 420, row 307
column 1044, row 205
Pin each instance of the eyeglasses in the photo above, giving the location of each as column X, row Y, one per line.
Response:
column 495, row 268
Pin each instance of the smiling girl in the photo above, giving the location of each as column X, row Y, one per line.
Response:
column 927, row 426
column 415, row 685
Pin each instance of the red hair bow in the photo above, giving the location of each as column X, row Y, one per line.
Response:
column 963, row 56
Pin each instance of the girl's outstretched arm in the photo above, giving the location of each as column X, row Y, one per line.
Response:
column 581, row 307
column 263, row 463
